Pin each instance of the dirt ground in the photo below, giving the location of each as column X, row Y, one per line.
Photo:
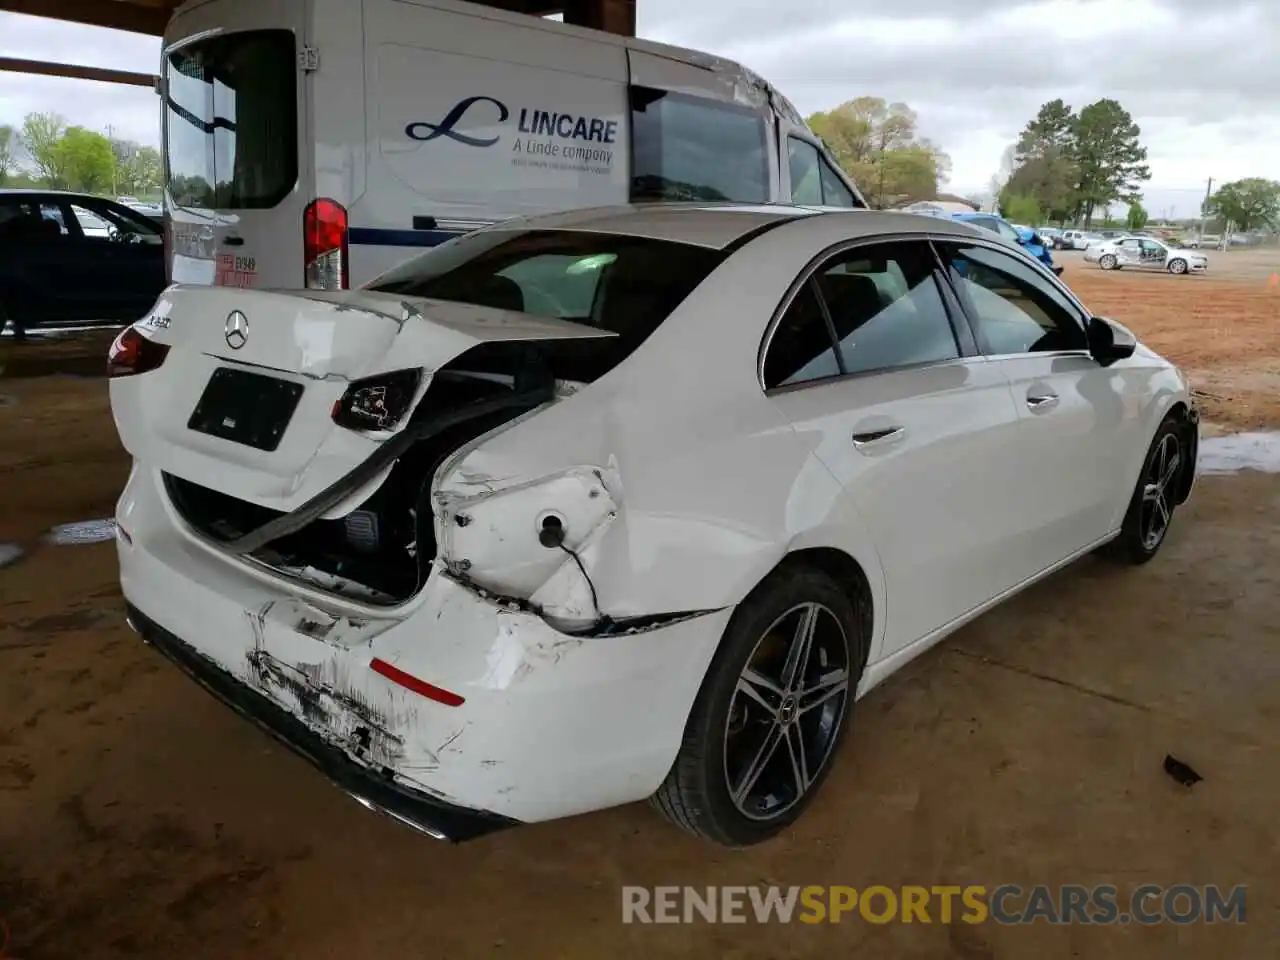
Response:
column 140, row 819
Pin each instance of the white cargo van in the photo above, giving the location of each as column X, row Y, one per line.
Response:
column 317, row 143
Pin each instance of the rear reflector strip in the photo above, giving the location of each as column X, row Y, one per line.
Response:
column 410, row 682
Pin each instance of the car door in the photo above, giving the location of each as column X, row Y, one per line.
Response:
column 49, row 287
column 134, row 248
column 871, row 361
column 1076, row 420
column 1128, row 253
column 1155, row 256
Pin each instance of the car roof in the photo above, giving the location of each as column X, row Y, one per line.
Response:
column 721, row 225
column 38, row 192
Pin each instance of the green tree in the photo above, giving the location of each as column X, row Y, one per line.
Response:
column 1044, row 162
column 8, row 151
column 1021, row 208
column 1137, row 217
column 1110, row 159
column 41, row 134
column 137, row 168
column 1249, row 203
column 87, row 160
column 877, row 144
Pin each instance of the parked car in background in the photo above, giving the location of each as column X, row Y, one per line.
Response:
column 1024, row 237
column 1145, row 253
column 379, row 521
column 69, row 257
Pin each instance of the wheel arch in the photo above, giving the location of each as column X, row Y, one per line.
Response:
column 846, row 571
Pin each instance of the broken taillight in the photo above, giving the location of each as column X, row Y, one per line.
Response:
column 377, row 403
column 324, row 242
column 132, row 353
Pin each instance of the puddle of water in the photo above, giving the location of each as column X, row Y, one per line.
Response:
column 9, row 553
column 1234, row 452
column 86, row 531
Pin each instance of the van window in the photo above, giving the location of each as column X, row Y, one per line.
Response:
column 694, row 148
column 231, row 120
column 627, row 285
column 813, row 182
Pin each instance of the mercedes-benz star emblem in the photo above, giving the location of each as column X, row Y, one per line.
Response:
column 236, row 330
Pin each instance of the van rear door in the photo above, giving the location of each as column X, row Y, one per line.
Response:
column 238, row 179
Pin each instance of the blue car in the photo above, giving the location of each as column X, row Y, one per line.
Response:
column 1025, row 237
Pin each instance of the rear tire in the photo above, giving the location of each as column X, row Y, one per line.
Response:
column 772, row 712
column 1151, row 507
column 1107, row 262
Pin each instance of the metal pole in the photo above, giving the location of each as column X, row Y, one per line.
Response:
column 1204, row 216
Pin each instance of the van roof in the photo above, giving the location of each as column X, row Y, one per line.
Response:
column 719, row 225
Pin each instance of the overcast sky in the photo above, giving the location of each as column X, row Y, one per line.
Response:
column 1200, row 76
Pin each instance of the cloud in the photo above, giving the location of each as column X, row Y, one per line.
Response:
column 1199, row 77
column 132, row 112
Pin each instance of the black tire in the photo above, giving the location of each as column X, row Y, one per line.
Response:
column 1177, row 266
column 697, row 795
column 1136, row 543
column 1107, row 262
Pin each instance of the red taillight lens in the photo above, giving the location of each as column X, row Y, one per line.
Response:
column 132, row 353
column 324, row 244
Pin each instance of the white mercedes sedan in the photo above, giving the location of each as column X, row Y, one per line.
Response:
column 623, row 503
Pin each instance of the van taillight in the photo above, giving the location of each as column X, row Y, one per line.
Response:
column 132, row 353
column 324, row 242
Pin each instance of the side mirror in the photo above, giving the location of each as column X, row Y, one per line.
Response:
column 1109, row 341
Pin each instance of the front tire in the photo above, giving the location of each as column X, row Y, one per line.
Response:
column 772, row 711
column 1177, row 266
column 1107, row 262
column 1151, row 508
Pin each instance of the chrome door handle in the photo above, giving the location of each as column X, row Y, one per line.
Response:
column 1043, row 402
column 879, row 437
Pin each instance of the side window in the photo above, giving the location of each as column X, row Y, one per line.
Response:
column 694, row 148
column 886, row 309
column 1015, row 310
column 834, row 192
column 813, row 181
column 1006, row 231
column 53, row 222
column 91, row 225
column 801, row 349
column 806, row 177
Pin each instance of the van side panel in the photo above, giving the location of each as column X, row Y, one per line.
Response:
column 336, row 101
column 473, row 120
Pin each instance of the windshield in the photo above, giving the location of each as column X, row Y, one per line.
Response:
column 628, row 285
column 231, row 139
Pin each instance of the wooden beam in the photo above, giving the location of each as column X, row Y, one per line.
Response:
column 101, row 74
column 117, row 14
column 611, row 16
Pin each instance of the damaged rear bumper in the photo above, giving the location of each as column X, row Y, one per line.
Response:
column 426, row 814
column 545, row 724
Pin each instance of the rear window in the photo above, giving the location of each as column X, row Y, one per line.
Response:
column 231, row 120
column 692, row 148
column 627, row 285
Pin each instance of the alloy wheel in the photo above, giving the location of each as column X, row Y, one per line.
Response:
column 786, row 711
column 1157, row 509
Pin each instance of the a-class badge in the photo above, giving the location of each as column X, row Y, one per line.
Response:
column 236, row 330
